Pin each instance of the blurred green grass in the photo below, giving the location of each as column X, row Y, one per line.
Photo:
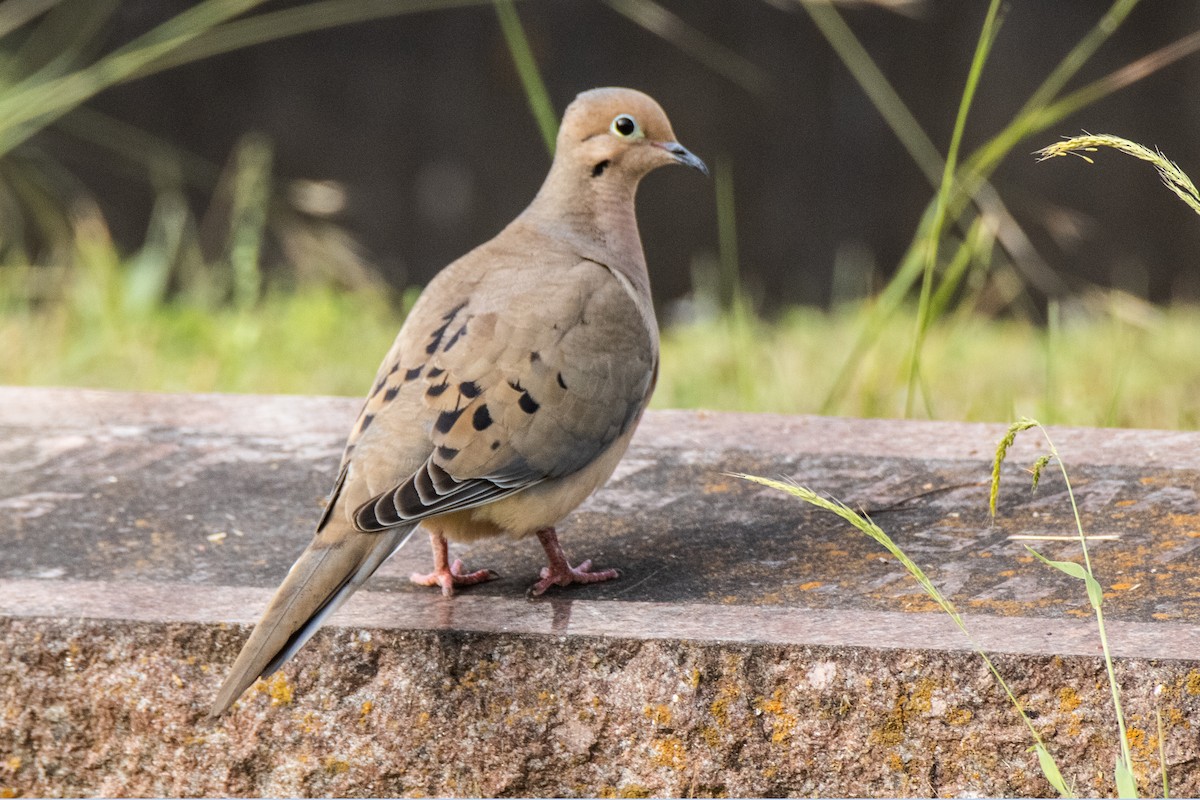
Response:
column 1109, row 360
column 199, row 309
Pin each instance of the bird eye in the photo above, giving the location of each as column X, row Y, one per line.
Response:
column 626, row 127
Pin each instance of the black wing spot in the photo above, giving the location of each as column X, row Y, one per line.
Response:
column 496, row 445
column 395, row 368
column 469, row 389
column 561, row 382
column 437, row 389
column 482, row 419
column 414, row 373
column 516, row 386
column 366, row 422
column 446, row 420
column 391, row 393
column 435, row 372
column 535, row 357
column 446, row 453
column 435, row 339
column 598, row 170
column 528, row 404
column 453, row 339
column 379, row 384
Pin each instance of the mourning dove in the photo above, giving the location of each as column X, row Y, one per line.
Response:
column 512, row 389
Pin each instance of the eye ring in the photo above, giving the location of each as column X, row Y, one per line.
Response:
column 626, row 127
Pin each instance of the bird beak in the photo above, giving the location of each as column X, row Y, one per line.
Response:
column 684, row 156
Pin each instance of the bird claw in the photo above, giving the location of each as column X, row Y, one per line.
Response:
column 453, row 576
column 565, row 576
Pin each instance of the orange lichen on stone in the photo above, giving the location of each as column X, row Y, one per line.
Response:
column 1189, row 524
column 277, row 688
column 891, row 732
column 782, row 723
column 335, row 766
column 1192, row 682
column 669, row 752
column 479, row 673
column 1174, row 718
column 921, row 699
column 1144, row 747
column 1068, row 699
column 958, row 716
column 659, row 714
column 918, row 603
column 810, row 585
column 727, row 694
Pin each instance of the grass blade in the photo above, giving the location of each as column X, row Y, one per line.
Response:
column 1126, row 783
column 663, row 23
column 728, row 278
column 15, row 13
column 987, row 35
column 865, row 525
column 527, row 69
column 25, row 111
column 1094, row 592
column 1050, row 770
column 285, row 22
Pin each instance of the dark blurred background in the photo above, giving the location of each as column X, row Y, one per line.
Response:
column 424, row 124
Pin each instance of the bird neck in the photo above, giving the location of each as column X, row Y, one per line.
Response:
column 596, row 216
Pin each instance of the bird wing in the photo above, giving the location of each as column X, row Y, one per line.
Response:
column 513, row 377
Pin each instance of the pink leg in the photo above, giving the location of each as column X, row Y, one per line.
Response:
column 560, row 572
column 450, row 576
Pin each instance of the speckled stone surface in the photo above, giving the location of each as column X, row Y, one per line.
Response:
column 753, row 645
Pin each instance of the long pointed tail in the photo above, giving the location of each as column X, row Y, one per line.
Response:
column 335, row 564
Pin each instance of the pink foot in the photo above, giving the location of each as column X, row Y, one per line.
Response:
column 559, row 572
column 450, row 576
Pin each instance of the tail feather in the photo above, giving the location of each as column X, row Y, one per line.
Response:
column 337, row 562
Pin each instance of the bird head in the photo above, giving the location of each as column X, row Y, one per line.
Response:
column 619, row 131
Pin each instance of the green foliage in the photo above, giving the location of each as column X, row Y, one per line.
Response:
column 55, row 57
column 1112, row 368
column 1123, row 768
column 987, row 35
column 965, row 198
column 315, row 340
column 1113, row 361
column 1123, row 775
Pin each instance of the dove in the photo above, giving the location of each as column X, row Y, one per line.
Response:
column 511, row 392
